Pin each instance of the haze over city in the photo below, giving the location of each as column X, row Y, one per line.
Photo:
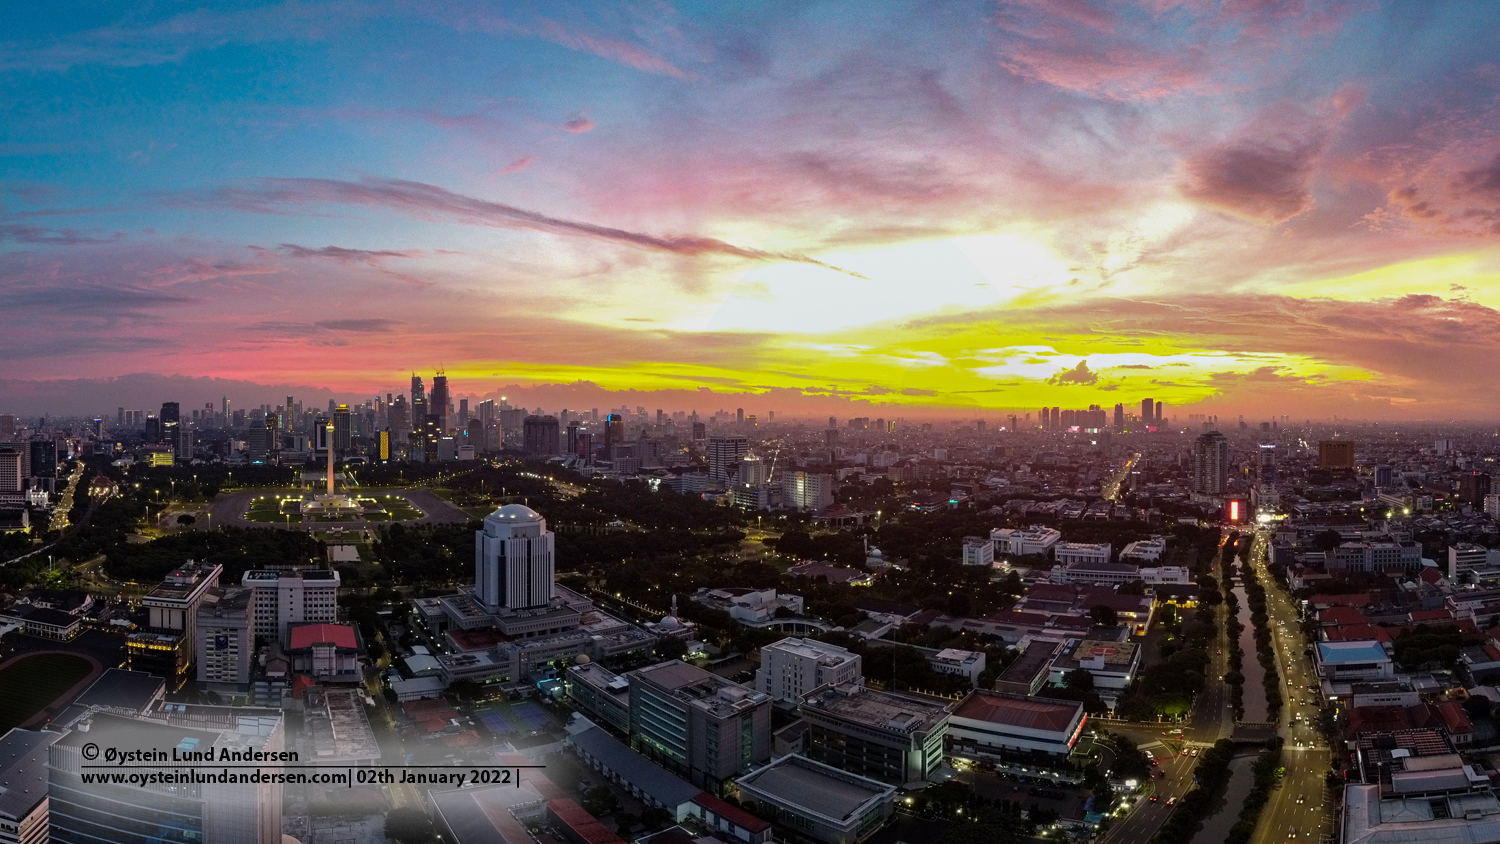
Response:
column 935, row 208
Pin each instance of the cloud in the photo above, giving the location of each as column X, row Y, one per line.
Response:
column 1262, row 175
column 427, row 200
column 578, row 125
column 375, row 324
column 345, row 255
column 570, row 36
column 1077, row 376
column 21, row 233
column 518, row 165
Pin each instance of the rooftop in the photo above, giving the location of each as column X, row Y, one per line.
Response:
column 1357, row 651
column 123, row 689
column 815, row 788
column 23, row 771
column 1019, row 711
column 308, row 635
column 882, row 710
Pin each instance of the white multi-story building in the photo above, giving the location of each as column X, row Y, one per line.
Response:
column 1145, row 550
column 979, row 551
column 282, row 597
column 1167, row 575
column 792, row 668
column 724, row 456
column 513, row 560
column 806, row 492
column 226, row 641
column 1067, row 553
column 1465, row 557
column 968, row 664
column 1028, row 541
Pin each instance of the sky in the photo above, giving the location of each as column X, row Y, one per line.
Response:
column 1253, row 207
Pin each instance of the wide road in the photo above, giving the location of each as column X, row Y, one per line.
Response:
column 1296, row 808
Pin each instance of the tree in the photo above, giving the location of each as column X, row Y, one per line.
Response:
column 600, row 801
column 671, row 647
column 1078, row 680
column 409, row 826
column 1134, row 587
column 185, row 519
column 1327, row 540
column 1104, row 616
column 1478, row 706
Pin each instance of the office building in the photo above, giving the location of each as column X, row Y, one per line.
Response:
column 343, row 430
column 1210, row 464
column 23, row 786
column 724, row 456
column 817, row 800
column 1336, row 454
column 887, row 737
column 225, row 640
column 806, row 492
column 167, row 645
column 1088, row 553
column 602, row 694
column 1266, row 464
column 698, row 725
column 170, row 421
column 1473, row 487
column 284, row 597
column 12, row 475
column 541, row 435
column 978, row 551
column 966, row 664
column 95, row 813
column 513, row 560
column 1020, row 542
column 792, row 668
column 1148, row 412
column 440, row 402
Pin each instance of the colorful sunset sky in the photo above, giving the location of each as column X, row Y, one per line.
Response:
column 1256, row 207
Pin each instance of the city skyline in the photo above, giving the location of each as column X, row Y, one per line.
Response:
column 947, row 210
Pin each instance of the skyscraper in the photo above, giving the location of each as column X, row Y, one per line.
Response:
column 1148, row 412
column 1119, row 417
column 342, row 434
column 171, row 416
column 1267, row 464
column 739, row 416
column 440, row 401
column 614, row 433
column 1210, row 463
column 418, row 402
column 513, row 560
column 724, row 456
column 540, row 435
column 1159, row 416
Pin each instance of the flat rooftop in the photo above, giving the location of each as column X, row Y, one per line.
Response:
column 817, row 788
column 123, row 689
column 1019, row 711
column 878, row 709
column 23, row 771
column 1113, row 653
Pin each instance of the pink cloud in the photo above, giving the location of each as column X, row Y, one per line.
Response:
column 578, row 125
column 518, row 165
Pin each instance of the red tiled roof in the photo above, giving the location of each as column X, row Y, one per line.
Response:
column 1455, row 718
column 581, row 823
column 1341, row 615
column 1431, row 575
column 735, row 815
column 307, row 635
column 1016, row 711
column 1431, row 615
column 1357, row 633
column 1379, row 719
column 1359, row 599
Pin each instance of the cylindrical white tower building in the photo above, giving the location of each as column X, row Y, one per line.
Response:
column 513, row 560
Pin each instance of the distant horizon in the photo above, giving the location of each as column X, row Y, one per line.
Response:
column 970, row 207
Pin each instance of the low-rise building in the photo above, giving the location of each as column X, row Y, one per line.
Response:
column 966, row 664
column 818, row 801
column 1351, row 662
column 601, row 693
column 1028, row 673
column 1067, row 553
column 997, row 724
column 978, row 551
column 698, row 724
column 329, row 653
column 1112, row 664
column 1019, row 542
column 1094, row 571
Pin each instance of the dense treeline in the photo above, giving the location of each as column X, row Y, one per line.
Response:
column 1265, row 648
column 236, row 549
column 1266, row 773
column 1235, row 676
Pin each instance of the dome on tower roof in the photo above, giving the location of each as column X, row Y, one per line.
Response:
column 512, row 513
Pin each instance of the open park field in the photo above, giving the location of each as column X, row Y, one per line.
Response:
column 32, row 681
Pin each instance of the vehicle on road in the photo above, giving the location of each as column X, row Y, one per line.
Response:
column 1193, row 752
column 1171, row 801
column 1301, row 799
column 1153, row 798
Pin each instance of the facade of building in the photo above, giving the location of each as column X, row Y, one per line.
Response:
column 792, row 668
column 168, row 644
column 226, row 640
column 1210, row 464
column 513, row 560
column 1025, row 541
column 1087, row 553
column 724, row 456
column 601, row 693
column 282, row 598
column 978, row 551
column 818, row 801
column 887, row 737
column 966, row 664
column 999, row 724
column 698, row 724
column 806, row 492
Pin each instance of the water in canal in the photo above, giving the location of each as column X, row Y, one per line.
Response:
column 1226, row 811
column 1255, row 675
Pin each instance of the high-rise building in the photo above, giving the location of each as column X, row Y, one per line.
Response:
column 171, row 417
column 282, row 598
column 418, row 402
column 225, row 641
column 724, row 456
column 43, row 460
column 258, row 442
column 23, row 775
column 440, row 401
column 1148, row 412
column 1385, row 476
column 167, row 644
column 1057, row 419
column 1336, row 454
column 697, row 724
column 1210, row 464
column 739, row 416
column 806, row 492
column 1473, row 487
column 1119, row 417
column 12, row 472
column 795, row 667
column 892, row 738
column 514, row 566
column 541, row 435
column 1266, row 465
column 1160, row 406
column 246, row 812
column 343, row 433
